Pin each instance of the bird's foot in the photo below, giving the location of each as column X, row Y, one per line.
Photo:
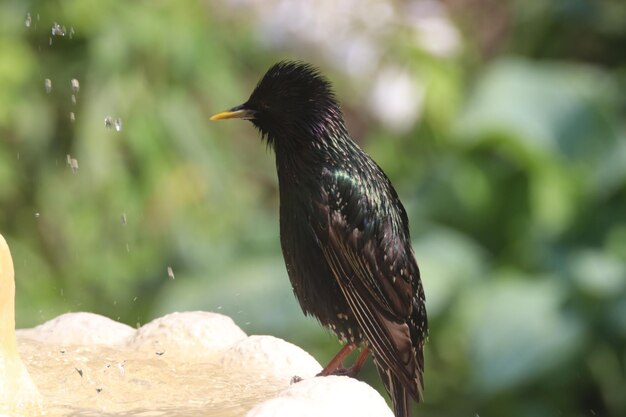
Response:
column 335, row 367
column 342, row 371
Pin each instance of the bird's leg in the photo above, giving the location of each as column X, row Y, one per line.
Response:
column 355, row 368
column 358, row 364
column 335, row 364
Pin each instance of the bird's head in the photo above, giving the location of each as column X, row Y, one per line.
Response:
column 292, row 104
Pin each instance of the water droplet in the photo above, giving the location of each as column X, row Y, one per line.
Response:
column 73, row 163
column 57, row 30
column 135, row 299
column 73, row 99
column 48, row 85
column 75, row 85
column 72, row 117
column 72, row 32
column 170, row 272
column 28, row 20
column 37, row 215
column 110, row 123
column 123, row 219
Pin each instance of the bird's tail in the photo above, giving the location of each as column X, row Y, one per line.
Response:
column 402, row 400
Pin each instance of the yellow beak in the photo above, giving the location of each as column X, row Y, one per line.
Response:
column 234, row 113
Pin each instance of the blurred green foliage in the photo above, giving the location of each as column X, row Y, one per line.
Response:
column 514, row 178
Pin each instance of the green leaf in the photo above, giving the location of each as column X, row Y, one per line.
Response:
column 516, row 331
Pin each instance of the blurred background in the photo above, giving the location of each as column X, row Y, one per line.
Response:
column 501, row 124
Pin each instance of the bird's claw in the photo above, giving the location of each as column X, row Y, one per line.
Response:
column 341, row 371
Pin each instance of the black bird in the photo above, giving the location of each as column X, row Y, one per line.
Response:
column 343, row 231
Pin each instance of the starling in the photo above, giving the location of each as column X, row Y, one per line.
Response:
column 343, row 230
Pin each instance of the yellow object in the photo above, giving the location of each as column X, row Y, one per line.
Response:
column 18, row 394
column 234, row 113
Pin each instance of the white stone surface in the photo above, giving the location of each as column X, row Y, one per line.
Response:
column 325, row 396
column 193, row 363
column 81, row 329
column 274, row 357
column 190, row 334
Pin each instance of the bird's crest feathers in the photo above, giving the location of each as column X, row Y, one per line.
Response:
column 295, row 104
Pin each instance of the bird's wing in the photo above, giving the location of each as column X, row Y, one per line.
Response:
column 375, row 269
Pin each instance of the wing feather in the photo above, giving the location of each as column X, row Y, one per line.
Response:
column 376, row 274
